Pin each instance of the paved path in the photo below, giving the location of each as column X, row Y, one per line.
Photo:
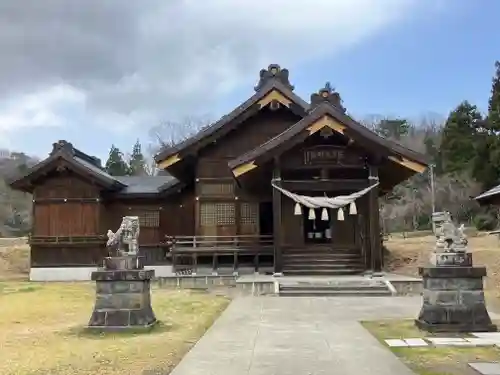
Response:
column 298, row 336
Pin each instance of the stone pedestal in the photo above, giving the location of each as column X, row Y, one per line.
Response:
column 123, row 295
column 453, row 300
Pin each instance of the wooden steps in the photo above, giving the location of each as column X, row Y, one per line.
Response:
column 322, row 260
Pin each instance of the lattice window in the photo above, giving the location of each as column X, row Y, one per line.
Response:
column 149, row 219
column 249, row 213
column 225, row 213
column 208, row 214
column 217, row 214
column 216, row 189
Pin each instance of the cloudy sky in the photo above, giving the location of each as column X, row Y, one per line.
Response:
column 99, row 72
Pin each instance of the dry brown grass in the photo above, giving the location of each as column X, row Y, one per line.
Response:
column 431, row 360
column 406, row 255
column 41, row 331
column 14, row 259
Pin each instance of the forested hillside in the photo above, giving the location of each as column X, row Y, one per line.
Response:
column 463, row 146
column 15, row 207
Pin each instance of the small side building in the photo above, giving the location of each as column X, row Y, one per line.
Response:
column 75, row 202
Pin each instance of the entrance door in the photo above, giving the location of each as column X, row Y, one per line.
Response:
column 316, row 230
column 344, row 232
column 266, row 218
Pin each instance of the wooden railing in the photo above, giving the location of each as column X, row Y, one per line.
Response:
column 191, row 248
column 155, row 254
column 67, row 240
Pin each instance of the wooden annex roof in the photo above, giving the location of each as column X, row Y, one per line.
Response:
column 273, row 85
column 489, row 195
column 65, row 155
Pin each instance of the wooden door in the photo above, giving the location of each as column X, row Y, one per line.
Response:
column 217, row 219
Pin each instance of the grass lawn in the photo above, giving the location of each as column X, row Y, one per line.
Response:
column 41, row 331
column 450, row 360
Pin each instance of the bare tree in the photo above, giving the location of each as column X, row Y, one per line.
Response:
column 171, row 132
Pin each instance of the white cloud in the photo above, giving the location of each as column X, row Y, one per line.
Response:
column 127, row 63
column 41, row 109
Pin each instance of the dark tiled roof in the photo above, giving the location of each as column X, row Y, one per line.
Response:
column 127, row 185
column 92, row 167
column 146, row 184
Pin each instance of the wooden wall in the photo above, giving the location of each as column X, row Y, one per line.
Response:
column 171, row 216
column 253, row 132
column 66, row 205
column 222, row 208
column 67, row 255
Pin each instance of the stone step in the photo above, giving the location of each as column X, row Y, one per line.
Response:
column 334, row 288
column 333, row 293
column 356, row 287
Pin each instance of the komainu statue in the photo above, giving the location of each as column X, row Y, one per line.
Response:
column 125, row 240
column 451, row 242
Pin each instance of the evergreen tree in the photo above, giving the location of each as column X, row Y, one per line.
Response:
column 494, row 101
column 116, row 165
column 458, row 148
column 487, row 161
column 137, row 162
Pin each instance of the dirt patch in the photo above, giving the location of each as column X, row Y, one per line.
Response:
column 14, row 260
column 406, row 255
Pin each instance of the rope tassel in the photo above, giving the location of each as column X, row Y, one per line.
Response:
column 340, row 214
column 312, row 214
column 297, row 210
column 352, row 208
column 324, row 214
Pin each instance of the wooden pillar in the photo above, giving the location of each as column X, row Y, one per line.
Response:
column 277, row 223
column 374, row 223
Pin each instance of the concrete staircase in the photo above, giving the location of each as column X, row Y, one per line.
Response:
column 335, row 287
column 322, row 260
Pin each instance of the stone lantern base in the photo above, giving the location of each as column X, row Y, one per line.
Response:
column 453, row 300
column 123, row 295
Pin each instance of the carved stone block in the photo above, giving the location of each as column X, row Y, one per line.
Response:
column 123, row 295
column 453, row 300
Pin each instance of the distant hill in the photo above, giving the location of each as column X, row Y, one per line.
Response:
column 15, row 206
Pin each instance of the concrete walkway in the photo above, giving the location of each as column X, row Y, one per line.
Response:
column 299, row 336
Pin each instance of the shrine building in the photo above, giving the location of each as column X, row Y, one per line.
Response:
column 278, row 185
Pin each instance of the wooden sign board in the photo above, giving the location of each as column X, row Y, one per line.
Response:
column 328, row 155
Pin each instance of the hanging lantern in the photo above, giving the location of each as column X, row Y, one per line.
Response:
column 324, row 214
column 297, row 210
column 352, row 208
column 312, row 214
column 340, row 214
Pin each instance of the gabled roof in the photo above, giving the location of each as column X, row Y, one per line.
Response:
column 327, row 112
column 63, row 151
column 90, row 167
column 273, row 86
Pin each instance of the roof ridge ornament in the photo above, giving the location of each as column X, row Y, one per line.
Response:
column 327, row 95
column 62, row 146
column 274, row 71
